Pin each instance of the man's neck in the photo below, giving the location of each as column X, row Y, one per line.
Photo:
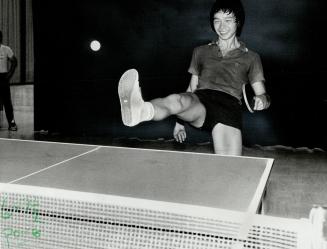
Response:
column 228, row 45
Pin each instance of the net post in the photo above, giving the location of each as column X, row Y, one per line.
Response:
column 318, row 220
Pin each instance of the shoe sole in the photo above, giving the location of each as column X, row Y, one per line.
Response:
column 127, row 83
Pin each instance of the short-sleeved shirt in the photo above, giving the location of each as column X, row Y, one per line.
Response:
column 226, row 73
column 5, row 54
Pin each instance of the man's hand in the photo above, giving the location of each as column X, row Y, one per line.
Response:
column 179, row 133
column 261, row 102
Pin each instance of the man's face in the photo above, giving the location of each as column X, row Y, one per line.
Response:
column 225, row 25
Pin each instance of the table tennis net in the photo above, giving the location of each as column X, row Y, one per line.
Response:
column 34, row 217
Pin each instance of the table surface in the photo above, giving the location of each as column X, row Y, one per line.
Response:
column 236, row 183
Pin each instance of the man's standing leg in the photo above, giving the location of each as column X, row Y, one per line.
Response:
column 227, row 140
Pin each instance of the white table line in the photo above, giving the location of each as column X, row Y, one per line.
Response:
column 56, row 164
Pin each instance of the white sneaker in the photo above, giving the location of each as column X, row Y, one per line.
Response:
column 131, row 101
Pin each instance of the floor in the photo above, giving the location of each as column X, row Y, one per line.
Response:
column 298, row 179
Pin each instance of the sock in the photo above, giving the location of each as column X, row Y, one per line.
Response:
column 147, row 111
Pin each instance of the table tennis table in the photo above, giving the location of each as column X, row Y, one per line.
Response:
column 236, row 183
column 134, row 198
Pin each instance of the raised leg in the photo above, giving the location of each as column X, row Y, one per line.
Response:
column 185, row 106
column 135, row 110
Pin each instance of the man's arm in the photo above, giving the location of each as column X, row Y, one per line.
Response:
column 261, row 99
column 13, row 65
column 179, row 130
column 193, row 83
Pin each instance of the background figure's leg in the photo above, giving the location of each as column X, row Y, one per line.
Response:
column 186, row 106
column 227, row 140
column 6, row 95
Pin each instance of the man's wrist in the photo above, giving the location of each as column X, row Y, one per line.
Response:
column 265, row 95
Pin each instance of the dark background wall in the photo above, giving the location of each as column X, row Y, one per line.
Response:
column 76, row 88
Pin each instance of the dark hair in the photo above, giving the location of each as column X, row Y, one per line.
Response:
column 0, row 36
column 229, row 6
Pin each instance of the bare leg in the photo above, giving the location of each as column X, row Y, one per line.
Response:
column 186, row 106
column 227, row 140
column 135, row 110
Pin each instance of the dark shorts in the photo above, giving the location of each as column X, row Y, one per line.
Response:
column 220, row 108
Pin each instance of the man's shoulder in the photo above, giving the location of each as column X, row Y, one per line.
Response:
column 5, row 48
column 7, row 51
column 251, row 52
column 204, row 48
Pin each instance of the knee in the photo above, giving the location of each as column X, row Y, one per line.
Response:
column 174, row 103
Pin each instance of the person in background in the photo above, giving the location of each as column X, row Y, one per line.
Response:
column 8, row 63
column 212, row 100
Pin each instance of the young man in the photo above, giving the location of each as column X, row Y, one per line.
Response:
column 213, row 99
column 6, row 72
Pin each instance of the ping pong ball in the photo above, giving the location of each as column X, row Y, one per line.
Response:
column 95, row 45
